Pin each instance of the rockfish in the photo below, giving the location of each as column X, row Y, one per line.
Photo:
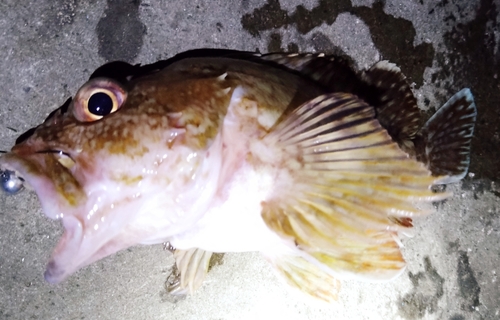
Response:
column 299, row 156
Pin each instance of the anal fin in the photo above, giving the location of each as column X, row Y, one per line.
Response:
column 305, row 276
column 444, row 141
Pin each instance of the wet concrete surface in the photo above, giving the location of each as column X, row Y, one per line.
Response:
column 51, row 47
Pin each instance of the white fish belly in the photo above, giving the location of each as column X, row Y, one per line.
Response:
column 234, row 223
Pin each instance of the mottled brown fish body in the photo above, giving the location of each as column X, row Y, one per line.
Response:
column 299, row 156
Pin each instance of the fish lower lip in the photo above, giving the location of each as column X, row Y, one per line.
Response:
column 52, row 273
column 62, row 262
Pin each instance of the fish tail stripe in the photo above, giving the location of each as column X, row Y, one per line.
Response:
column 335, row 147
column 319, row 214
column 331, row 125
column 356, row 176
column 317, row 218
column 353, row 188
column 334, row 131
column 375, row 191
column 320, row 111
column 324, row 142
column 340, row 246
column 342, row 153
column 285, row 129
column 386, row 167
column 350, row 251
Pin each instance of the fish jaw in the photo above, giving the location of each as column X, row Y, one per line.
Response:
column 63, row 198
column 140, row 175
column 38, row 170
column 117, row 216
column 92, row 232
column 131, row 201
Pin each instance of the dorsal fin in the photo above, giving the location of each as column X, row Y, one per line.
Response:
column 335, row 73
column 394, row 102
column 383, row 86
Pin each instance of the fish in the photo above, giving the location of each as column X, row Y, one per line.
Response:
column 302, row 157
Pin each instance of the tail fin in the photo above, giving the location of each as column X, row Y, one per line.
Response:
column 445, row 139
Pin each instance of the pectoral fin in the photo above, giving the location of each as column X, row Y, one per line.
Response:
column 345, row 188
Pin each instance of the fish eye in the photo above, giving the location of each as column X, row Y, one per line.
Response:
column 11, row 183
column 101, row 104
column 97, row 99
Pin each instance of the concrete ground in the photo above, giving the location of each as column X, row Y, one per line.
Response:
column 50, row 47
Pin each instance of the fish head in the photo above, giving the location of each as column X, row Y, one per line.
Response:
column 121, row 163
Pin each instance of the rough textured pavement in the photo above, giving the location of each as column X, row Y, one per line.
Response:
column 49, row 48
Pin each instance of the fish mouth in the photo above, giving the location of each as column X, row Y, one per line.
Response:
column 49, row 173
column 76, row 249
column 68, row 244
